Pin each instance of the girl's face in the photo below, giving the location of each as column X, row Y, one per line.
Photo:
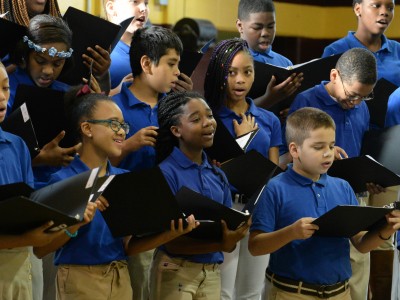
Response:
column 4, row 93
column 124, row 9
column 240, row 77
column 44, row 69
column 35, row 7
column 105, row 141
column 374, row 16
column 196, row 127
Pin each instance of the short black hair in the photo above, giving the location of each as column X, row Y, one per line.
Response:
column 154, row 42
column 300, row 123
column 357, row 64
column 247, row 7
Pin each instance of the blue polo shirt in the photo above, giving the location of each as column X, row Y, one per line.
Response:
column 271, row 57
column 387, row 58
column 15, row 160
column 139, row 115
column 94, row 243
column 351, row 124
column 393, row 109
column 120, row 63
column 269, row 134
column 180, row 171
column 289, row 197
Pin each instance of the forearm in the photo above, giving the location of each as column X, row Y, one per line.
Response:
column 135, row 245
column 13, row 241
column 366, row 241
column 104, row 82
column 265, row 101
column 55, row 244
column 261, row 243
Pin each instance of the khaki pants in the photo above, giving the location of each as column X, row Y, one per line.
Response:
column 108, row 282
column 179, row 279
column 15, row 274
column 275, row 293
column 139, row 270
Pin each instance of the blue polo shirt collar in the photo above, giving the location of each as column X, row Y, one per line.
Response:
column 226, row 112
column 78, row 166
column 3, row 138
column 268, row 53
column 186, row 163
column 355, row 43
column 304, row 181
column 132, row 100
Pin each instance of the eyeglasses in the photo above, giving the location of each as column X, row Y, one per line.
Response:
column 356, row 98
column 113, row 124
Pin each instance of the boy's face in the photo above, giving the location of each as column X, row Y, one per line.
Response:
column 4, row 92
column 43, row 68
column 374, row 16
column 348, row 95
column 315, row 156
column 163, row 77
column 120, row 10
column 258, row 30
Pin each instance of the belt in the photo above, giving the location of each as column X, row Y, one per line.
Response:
column 239, row 198
column 293, row 286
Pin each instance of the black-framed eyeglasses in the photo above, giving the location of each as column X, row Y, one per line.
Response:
column 113, row 124
column 356, row 98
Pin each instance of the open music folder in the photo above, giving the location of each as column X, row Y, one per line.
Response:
column 87, row 31
column 359, row 171
column 348, row 220
column 209, row 213
column 63, row 202
column 10, row 34
column 141, row 203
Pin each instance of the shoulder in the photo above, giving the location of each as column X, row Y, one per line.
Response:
column 337, row 47
column 280, row 60
column 60, row 86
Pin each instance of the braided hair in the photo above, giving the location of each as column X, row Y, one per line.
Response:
column 18, row 10
column 217, row 73
column 80, row 107
column 169, row 110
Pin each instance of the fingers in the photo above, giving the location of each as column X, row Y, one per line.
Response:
column 45, row 226
column 102, row 203
column 58, row 138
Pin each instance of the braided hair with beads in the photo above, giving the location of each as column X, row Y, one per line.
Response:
column 170, row 108
column 215, row 82
column 18, row 10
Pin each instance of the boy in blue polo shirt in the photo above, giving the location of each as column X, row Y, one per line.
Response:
column 301, row 263
column 154, row 58
column 256, row 24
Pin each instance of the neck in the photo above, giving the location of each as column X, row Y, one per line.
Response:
column 194, row 155
column 299, row 170
column 373, row 42
column 238, row 107
column 142, row 91
column 127, row 38
column 94, row 159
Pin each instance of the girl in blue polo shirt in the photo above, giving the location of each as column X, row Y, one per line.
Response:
column 92, row 263
column 15, row 166
column 187, row 268
column 229, row 78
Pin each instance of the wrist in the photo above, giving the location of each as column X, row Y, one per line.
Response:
column 71, row 234
column 384, row 237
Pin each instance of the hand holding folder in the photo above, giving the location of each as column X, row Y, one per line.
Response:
column 63, row 202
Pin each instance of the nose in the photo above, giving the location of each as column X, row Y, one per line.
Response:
column 142, row 7
column 384, row 11
column 264, row 32
column 47, row 69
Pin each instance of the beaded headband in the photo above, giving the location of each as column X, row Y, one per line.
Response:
column 51, row 52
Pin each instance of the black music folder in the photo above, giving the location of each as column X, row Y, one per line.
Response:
column 314, row 72
column 209, row 213
column 189, row 61
column 141, row 203
column 87, row 31
column 378, row 105
column 46, row 109
column 249, row 173
column 384, row 145
column 348, row 220
column 10, row 34
column 359, row 171
column 19, row 123
column 63, row 202
column 124, row 25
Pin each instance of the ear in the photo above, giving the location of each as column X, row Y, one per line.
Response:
column 86, row 129
column 334, row 76
column 146, row 63
column 109, row 8
column 239, row 26
column 357, row 9
column 176, row 131
column 293, row 150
